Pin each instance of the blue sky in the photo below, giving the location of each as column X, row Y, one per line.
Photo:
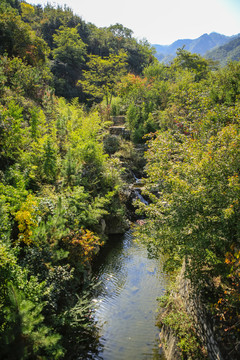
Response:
column 160, row 21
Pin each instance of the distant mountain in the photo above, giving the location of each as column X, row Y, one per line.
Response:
column 224, row 53
column 201, row 45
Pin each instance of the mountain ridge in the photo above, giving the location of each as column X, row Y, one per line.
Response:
column 200, row 45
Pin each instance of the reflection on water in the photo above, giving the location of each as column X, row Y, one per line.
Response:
column 125, row 302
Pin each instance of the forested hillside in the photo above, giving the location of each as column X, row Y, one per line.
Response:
column 228, row 52
column 63, row 176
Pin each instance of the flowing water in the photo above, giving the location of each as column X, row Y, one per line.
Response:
column 125, row 302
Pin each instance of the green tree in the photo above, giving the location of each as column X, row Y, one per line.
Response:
column 192, row 62
column 51, row 18
column 120, row 31
column 69, row 55
column 100, row 41
column 18, row 39
column 49, row 161
column 70, row 49
column 224, row 84
column 194, row 188
column 12, row 136
column 139, row 53
column 23, row 332
column 27, row 12
column 102, row 76
column 24, row 79
column 25, row 335
column 10, row 4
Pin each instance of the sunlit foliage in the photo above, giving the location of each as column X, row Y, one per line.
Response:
column 61, row 170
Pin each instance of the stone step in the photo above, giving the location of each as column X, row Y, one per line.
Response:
column 119, row 131
column 118, row 120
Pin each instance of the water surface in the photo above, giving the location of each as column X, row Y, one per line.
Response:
column 125, row 302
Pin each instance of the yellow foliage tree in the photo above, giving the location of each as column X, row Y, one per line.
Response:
column 27, row 219
column 82, row 246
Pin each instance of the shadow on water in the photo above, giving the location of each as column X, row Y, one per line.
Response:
column 125, row 301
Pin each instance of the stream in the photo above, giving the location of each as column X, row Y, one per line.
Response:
column 125, row 305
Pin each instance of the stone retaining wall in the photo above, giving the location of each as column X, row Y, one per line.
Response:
column 169, row 344
column 203, row 324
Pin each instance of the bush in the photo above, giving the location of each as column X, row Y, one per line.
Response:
column 111, row 144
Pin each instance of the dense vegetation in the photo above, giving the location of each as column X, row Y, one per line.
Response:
column 62, row 175
column 58, row 183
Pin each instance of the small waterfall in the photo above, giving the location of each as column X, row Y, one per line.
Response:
column 137, row 181
column 140, row 197
column 138, row 190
